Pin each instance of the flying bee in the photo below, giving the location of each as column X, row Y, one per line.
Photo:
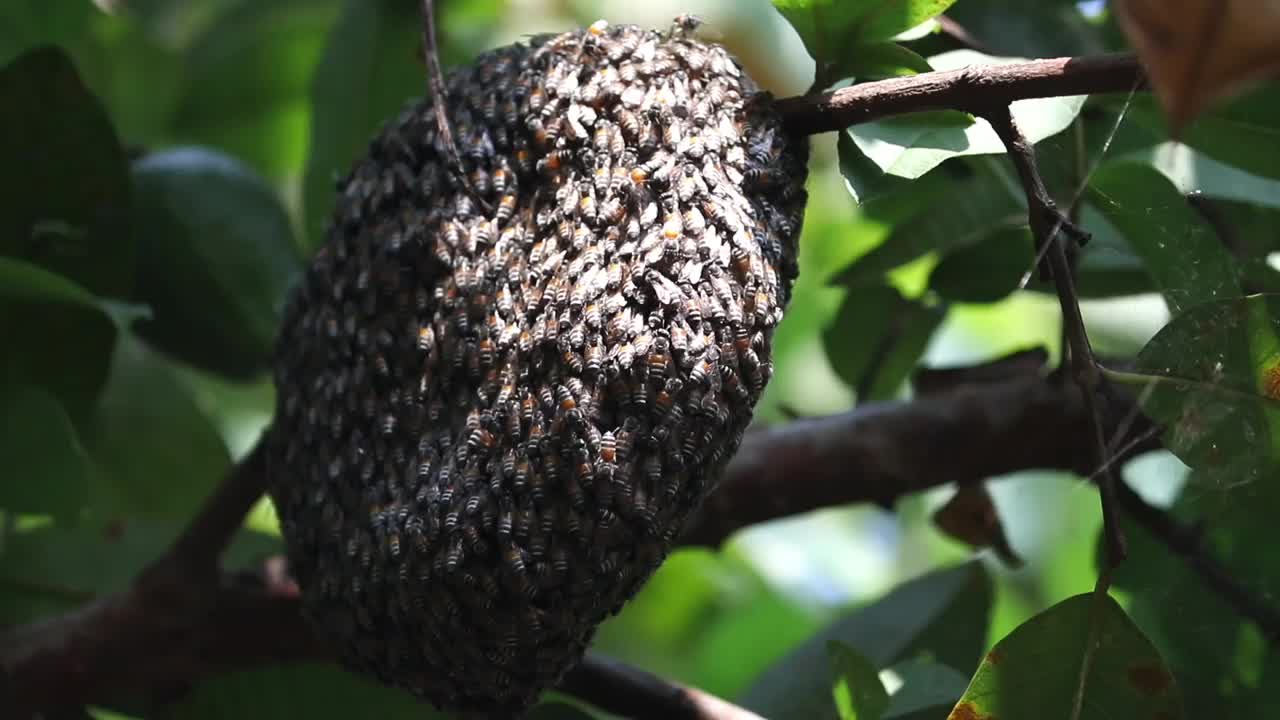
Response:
column 685, row 25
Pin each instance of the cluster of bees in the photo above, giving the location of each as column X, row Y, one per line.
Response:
column 504, row 386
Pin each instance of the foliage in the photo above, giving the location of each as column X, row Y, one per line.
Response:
column 169, row 167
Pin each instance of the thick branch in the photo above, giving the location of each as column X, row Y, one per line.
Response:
column 619, row 687
column 987, row 85
column 166, row 634
column 878, row 453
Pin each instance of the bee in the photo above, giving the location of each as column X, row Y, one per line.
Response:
column 629, row 123
column 426, row 338
column 538, row 483
column 576, row 121
column 600, row 138
column 568, row 85
column 685, row 25
column 653, row 471
column 587, row 202
column 602, row 176
column 612, row 211
column 672, row 226
column 480, row 181
column 550, row 165
column 506, row 207
column 762, row 177
column 659, row 360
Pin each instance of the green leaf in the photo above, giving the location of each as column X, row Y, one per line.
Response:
column 1046, row 28
column 974, row 207
column 247, row 83
column 1189, row 265
column 367, row 74
column 1192, row 171
column 826, row 25
column 893, row 199
column 880, row 60
column 46, row 470
column 64, row 184
column 315, row 692
column 25, row 24
column 909, row 147
column 876, row 338
column 928, row 689
column 1214, row 375
column 57, row 336
column 1037, row 667
column 1107, row 266
column 158, row 453
column 858, row 692
column 217, row 259
column 1223, row 664
column 943, row 614
column 47, row 568
column 1244, row 132
column 987, row 271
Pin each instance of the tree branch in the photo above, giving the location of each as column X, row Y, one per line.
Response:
column 619, row 687
column 874, row 453
column 989, row 85
column 170, row 630
column 221, row 515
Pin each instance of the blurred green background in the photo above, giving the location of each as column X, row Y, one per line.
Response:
column 292, row 87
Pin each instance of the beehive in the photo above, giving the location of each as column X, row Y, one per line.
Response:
column 499, row 399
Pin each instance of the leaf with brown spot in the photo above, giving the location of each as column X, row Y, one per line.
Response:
column 1037, row 666
column 1149, row 679
column 967, row 711
column 1210, row 373
column 1199, row 51
column 1270, row 384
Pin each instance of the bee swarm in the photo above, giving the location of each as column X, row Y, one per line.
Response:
column 493, row 421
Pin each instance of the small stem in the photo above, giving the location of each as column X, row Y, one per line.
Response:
column 1046, row 222
column 440, row 100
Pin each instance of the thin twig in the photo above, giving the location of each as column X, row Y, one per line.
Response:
column 1185, row 542
column 990, row 86
column 961, row 35
column 440, row 101
column 1046, row 222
